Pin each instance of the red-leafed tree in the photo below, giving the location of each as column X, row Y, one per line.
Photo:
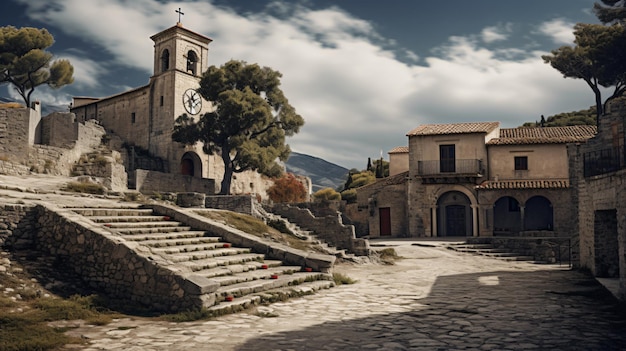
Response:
column 287, row 189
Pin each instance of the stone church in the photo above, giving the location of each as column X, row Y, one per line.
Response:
column 143, row 118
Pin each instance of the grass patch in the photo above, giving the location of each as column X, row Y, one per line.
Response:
column 28, row 329
column 388, row 255
column 82, row 187
column 255, row 226
column 341, row 279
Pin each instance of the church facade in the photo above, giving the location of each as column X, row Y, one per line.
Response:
column 144, row 117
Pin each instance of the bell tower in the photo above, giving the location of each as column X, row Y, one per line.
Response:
column 180, row 59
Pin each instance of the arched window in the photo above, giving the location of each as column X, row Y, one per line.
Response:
column 192, row 62
column 165, row 60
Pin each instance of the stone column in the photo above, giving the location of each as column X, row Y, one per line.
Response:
column 433, row 221
column 521, row 214
column 474, row 220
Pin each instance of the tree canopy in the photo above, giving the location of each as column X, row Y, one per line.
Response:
column 598, row 58
column 573, row 118
column 249, row 123
column 610, row 11
column 25, row 63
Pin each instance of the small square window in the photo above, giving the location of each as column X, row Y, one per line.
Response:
column 521, row 163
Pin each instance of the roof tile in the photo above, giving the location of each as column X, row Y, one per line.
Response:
column 544, row 135
column 454, row 128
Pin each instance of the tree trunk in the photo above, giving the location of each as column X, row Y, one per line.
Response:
column 228, row 172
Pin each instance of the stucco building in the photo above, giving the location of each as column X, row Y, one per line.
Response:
column 475, row 179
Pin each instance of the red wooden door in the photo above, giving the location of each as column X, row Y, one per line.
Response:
column 385, row 221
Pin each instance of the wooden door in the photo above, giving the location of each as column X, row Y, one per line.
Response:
column 385, row 221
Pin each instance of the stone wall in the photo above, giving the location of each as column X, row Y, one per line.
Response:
column 17, row 223
column 236, row 203
column 543, row 250
column 17, row 132
column 108, row 264
column 597, row 196
column 389, row 193
column 329, row 229
column 59, row 129
column 159, row 182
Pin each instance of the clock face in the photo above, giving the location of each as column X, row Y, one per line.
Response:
column 192, row 101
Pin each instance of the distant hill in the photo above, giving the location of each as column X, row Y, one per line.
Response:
column 582, row 117
column 323, row 174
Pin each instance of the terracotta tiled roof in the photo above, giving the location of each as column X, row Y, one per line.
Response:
column 399, row 150
column 545, row 135
column 454, row 128
column 524, row 184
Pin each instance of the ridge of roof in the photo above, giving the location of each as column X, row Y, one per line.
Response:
column 454, row 128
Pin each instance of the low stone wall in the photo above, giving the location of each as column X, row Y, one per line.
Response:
column 329, row 228
column 290, row 256
column 17, row 223
column 159, row 182
column 120, row 269
column 236, row 203
column 10, row 168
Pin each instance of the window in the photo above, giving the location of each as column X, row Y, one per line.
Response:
column 446, row 159
column 132, row 117
column 165, row 60
column 192, row 60
column 161, row 100
column 521, row 163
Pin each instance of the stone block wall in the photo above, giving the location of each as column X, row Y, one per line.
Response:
column 106, row 263
column 15, row 133
column 59, row 129
column 17, row 223
column 152, row 181
column 236, row 203
column 330, row 228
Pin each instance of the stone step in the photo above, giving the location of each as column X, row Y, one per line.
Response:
column 264, row 285
column 88, row 212
column 237, row 268
column 202, row 254
column 273, row 295
column 198, row 265
column 158, row 237
column 130, row 219
column 151, row 230
column 471, row 246
column 179, row 244
column 256, row 274
column 142, row 225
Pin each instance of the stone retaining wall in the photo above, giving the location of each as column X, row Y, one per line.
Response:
column 159, row 182
column 120, row 269
column 17, row 223
column 330, row 228
column 547, row 250
column 236, row 203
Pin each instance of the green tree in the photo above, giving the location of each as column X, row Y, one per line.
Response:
column 610, row 11
column 597, row 58
column 25, row 63
column 249, row 123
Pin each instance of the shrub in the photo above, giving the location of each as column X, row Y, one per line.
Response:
column 287, row 189
column 327, row 194
column 349, row 196
column 82, row 187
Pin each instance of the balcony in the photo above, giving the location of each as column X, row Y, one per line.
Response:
column 450, row 171
column 604, row 161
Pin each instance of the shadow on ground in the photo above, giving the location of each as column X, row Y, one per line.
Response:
column 543, row 310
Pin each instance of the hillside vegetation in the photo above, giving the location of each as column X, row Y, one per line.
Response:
column 574, row 118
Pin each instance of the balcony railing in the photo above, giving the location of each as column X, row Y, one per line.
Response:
column 449, row 167
column 604, row 161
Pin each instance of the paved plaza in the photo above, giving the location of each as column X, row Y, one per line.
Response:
column 432, row 299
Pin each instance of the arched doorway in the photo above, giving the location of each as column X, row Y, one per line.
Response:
column 538, row 214
column 454, row 214
column 191, row 165
column 507, row 217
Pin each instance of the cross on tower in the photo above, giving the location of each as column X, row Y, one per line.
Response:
column 179, row 14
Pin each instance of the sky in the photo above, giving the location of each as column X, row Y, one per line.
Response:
column 362, row 73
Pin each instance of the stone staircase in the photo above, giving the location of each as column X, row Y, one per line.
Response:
column 489, row 250
column 243, row 277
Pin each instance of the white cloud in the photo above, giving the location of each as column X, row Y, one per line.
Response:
column 559, row 30
column 356, row 96
column 87, row 73
column 495, row 33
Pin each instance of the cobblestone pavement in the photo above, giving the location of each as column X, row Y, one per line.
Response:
column 433, row 299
